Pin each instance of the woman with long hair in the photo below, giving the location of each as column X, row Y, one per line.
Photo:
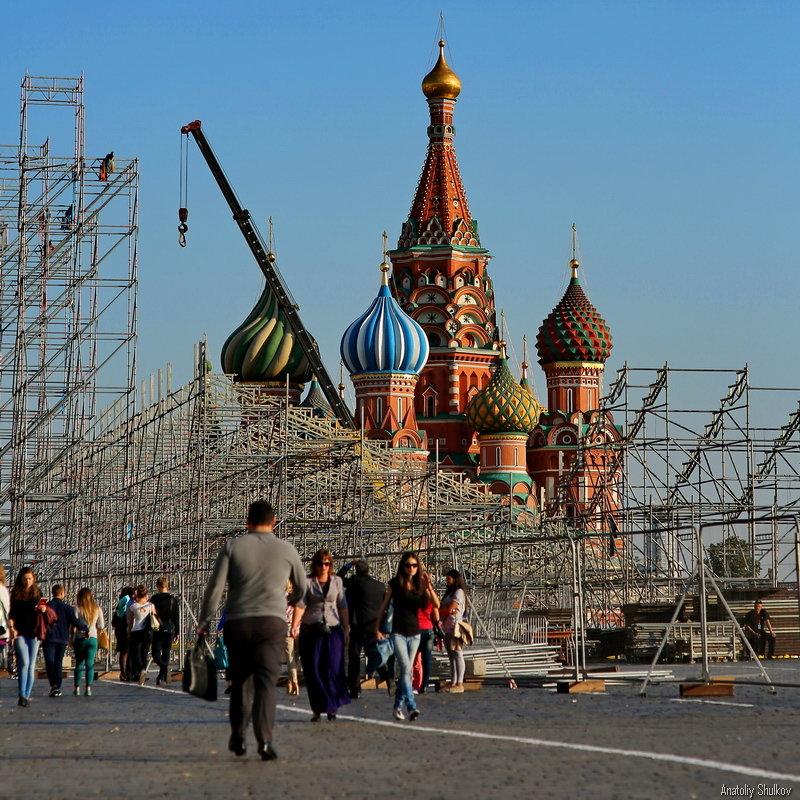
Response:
column 408, row 591
column 454, row 605
column 322, row 621
column 139, row 633
column 25, row 604
column 91, row 615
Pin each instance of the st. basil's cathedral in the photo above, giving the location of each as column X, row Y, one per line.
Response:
column 429, row 366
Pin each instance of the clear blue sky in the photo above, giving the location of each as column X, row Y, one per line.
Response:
column 667, row 131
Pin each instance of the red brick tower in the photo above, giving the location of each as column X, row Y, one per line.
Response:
column 440, row 278
column 573, row 344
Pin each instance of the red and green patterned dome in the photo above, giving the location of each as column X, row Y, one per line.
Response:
column 574, row 331
column 503, row 406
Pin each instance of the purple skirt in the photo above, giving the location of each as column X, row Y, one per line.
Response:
column 322, row 657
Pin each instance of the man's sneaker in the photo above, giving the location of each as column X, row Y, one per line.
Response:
column 413, row 714
column 88, row 691
column 56, row 693
column 77, row 691
column 398, row 714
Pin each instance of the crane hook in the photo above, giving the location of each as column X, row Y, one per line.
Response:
column 183, row 215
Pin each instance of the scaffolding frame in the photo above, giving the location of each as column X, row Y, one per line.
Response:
column 68, row 294
column 160, row 477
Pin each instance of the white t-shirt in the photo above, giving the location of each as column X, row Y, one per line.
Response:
column 139, row 612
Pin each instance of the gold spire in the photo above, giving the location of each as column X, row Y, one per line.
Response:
column 525, row 357
column 384, row 268
column 441, row 81
column 574, row 264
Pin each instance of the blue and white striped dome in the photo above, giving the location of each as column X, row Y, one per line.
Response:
column 384, row 338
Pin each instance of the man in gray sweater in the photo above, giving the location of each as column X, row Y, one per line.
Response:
column 256, row 567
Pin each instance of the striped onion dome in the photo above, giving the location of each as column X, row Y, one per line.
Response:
column 574, row 331
column 384, row 338
column 316, row 400
column 503, row 406
column 263, row 348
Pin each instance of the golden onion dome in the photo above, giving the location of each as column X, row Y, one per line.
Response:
column 441, row 81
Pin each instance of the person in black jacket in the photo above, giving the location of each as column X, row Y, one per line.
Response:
column 57, row 639
column 167, row 612
column 364, row 598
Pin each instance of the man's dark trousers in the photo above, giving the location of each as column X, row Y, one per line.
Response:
column 162, row 647
column 54, row 661
column 255, row 653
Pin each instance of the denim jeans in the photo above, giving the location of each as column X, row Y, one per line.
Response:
column 26, row 650
column 405, row 649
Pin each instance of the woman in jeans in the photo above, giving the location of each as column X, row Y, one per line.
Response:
column 86, row 644
column 322, row 621
column 454, row 605
column 139, row 634
column 408, row 591
column 25, row 597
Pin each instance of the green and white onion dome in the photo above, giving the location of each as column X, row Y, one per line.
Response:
column 263, row 348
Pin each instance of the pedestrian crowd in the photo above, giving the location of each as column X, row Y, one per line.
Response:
column 30, row 622
column 274, row 613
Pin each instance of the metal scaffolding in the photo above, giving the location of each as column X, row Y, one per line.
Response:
column 152, row 480
column 68, row 234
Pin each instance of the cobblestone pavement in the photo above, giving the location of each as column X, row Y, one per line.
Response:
column 128, row 741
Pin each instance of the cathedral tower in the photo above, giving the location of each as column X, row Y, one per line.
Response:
column 440, row 277
column 384, row 351
column 572, row 445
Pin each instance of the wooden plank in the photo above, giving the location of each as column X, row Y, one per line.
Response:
column 706, row 689
column 575, row 687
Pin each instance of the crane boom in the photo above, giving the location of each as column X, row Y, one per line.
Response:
column 266, row 261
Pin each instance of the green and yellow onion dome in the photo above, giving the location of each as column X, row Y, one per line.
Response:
column 503, row 406
column 574, row 331
column 263, row 348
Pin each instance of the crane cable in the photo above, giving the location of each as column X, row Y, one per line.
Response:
column 183, row 190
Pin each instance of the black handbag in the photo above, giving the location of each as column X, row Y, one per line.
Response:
column 200, row 671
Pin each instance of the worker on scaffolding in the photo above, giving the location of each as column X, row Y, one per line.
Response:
column 758, row 629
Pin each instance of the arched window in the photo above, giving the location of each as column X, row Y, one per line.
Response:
column 497, row 456
column 378, row 410
column 430, row 406
column 569, row 401
column 516, row 457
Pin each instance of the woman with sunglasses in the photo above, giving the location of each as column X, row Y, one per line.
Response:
column 408, row 591
column 322, row 622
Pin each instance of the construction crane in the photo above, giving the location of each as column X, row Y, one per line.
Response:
column 267, row 262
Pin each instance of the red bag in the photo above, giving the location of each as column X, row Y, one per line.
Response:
column 44, row 620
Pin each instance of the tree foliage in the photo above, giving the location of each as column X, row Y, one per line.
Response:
column 732, row 558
